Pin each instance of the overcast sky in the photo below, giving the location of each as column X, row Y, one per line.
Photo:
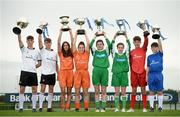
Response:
column 164, row 13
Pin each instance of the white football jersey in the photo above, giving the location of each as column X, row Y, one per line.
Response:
column 29, row 59
column 49, row 61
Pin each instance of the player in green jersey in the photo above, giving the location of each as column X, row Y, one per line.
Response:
column 120, row 71
column 100, row 70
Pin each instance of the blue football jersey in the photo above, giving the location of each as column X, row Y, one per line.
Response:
column 155, row 62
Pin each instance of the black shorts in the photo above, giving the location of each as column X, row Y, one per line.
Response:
column 48, row 79
column 28, row 79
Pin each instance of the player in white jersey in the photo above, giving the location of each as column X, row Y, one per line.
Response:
column 48, row 73
column 30, row 61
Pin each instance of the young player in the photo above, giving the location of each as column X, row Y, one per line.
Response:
column 48, row 72
column 30, row 61
column 154, row 74
column 100, row 70
column 81, row 76
column 65, row 74
column 138, row 73
column 120, row 70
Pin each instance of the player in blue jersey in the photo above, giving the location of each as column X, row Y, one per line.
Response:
column 154, row 74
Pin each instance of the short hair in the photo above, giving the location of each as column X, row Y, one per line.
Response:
column 120, row 44
column 47, row 40
column 99, row 41
column 81, row 43
column 29, row 37
column 137, row 38
column 154, row 44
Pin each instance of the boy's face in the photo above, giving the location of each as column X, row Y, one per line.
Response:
column 155, row 49
column 81, row 48
column 47, row 44
column 120, row 48
column 100, row 46
column 30, row 42
column 137, row 43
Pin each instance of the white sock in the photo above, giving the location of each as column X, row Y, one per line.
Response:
column 21, row 101
column 50, row 98
column 151, row 101
column 160, row 101
column 34, row 100
column 41, row 99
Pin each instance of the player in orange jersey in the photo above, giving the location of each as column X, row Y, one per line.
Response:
column 81, row 77
column 65, row 74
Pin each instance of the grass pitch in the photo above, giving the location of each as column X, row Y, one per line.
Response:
column 91, row 112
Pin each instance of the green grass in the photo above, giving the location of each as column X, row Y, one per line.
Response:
column 109, row 112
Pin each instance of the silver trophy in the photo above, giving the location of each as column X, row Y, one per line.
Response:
column 64, row 22
column 156, row 32
column 80, row 22
column 122, row 26
column 43, row 29
column 99, row 25
column 144, row 25
column 21, row 24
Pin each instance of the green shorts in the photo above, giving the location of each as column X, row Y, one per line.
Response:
column 120, row 79
column 100, row 76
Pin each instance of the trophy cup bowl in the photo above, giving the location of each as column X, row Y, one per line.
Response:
column 142, row 25
column 64, row 22
column 42, row 26
column 98, row 23
column 80, row 22
column 155, row 31
column 21, row 24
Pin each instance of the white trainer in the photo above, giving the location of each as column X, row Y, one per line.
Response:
column 97, row 110
column 116, row 110
column 123, row 110
column 103, row 110
column 144, row 110
column 130, row 110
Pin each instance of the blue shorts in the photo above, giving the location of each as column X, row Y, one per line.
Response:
column 155, row 81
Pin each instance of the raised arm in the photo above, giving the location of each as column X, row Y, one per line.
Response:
column 20, row 41
column 112, row 45
column 128, row 49
column 145, row 44
column 59, row 41
column 40, row 41
column 71, row 36
column 87, row 42
column 74, row 43
column 160, row 46
column 107, row 41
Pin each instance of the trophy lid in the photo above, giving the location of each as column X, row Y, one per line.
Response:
column 156, row 26
column 64, row 19
column 43, row 24
column 22, row 22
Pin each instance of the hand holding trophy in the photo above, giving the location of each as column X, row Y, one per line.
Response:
column 21, row 24
column 64, row 22
column 144, row 25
